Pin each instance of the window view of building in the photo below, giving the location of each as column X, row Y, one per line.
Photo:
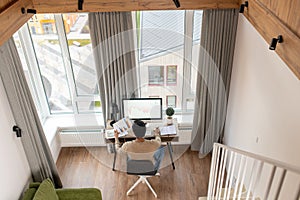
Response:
column 165, row 38
column 171, row 74
column 156, row 75
column 171, row 101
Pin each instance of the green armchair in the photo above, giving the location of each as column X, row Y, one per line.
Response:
column 46, row 191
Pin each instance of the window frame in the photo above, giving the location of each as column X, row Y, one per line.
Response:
column 36, row 76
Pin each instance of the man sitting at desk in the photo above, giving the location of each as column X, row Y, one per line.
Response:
column 140, row 148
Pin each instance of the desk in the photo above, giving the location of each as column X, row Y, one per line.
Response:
column 149, row 135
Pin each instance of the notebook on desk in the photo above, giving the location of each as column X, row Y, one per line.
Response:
column 168, row 130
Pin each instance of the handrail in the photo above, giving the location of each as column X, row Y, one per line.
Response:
column 237, row 174
column 262, row 158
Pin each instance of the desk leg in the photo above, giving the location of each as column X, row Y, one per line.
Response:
column 171, row 153
column 115, row 156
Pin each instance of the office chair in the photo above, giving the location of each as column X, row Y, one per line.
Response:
column 142, row 168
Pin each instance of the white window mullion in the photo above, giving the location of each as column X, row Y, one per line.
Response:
column 33, row 67
column 187, row 55
column 66, row 59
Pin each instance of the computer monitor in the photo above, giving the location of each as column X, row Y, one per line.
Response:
column 143, row 108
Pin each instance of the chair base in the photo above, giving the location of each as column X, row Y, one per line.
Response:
column 142, row 179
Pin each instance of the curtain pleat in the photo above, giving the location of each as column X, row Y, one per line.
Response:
column 33, row 138
column 213, row 79
column 113, row 48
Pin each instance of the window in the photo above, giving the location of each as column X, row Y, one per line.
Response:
column 171, row 101
column 172, row 75
column 62, row 71
column 156, row 75
column 170, row 39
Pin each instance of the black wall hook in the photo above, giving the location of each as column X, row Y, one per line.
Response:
column 17, row 130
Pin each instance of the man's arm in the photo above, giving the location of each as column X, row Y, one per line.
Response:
column 117, row 142
column 157, row 134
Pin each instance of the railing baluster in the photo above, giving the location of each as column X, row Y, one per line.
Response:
column 238, row 177
column 257, row 178
column 280, row 184
column 243, row 179
column 219, row 185
column 251, row 179
column 212, row 171
column 216, row 172
column 223, row 172
column 270, row 182
column 228, row 174
column 231, row 176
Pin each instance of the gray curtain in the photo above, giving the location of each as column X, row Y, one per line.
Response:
column 214, row 73
column 33, row 139
column 114, row 53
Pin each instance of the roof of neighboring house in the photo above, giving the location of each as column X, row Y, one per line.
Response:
column 163, row 31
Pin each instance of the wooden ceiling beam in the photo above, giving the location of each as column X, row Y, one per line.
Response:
column 11, row 17
column 65, row 6
column 270, row 26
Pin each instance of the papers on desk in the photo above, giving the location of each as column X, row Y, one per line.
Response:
column 109, row 133
column 168, row 130
column 122, row 126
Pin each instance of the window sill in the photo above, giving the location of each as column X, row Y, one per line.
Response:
column 56, row 123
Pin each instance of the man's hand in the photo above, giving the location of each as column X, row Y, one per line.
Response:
column 116, row 134
column 156, row 131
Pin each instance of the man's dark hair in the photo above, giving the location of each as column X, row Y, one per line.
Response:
column 140, row 123
column 139, row 128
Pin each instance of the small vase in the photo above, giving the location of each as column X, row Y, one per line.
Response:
column 169, row 121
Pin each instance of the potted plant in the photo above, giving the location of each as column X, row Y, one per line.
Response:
column 170, row 112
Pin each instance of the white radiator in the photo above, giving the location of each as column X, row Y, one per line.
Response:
column 82, row 138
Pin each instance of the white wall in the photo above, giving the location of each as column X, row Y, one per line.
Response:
column 264, row 101
column 14, row 168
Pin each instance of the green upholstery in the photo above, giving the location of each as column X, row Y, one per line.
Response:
column 44, row 191
column 78, row 194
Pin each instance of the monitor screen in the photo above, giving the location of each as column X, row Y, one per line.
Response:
column 143, row 108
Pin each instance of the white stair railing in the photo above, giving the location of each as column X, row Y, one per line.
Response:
column 236, row 174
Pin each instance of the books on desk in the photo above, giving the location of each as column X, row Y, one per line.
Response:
column 168, row 130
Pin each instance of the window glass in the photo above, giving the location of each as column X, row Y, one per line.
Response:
column 156, row 75
column 172, row 75
column 89, row 106
column 171, row 101
column 48, row 52
column 80, row 49
column 161, row 42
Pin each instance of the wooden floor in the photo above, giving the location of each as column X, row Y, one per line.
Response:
column 91, row 167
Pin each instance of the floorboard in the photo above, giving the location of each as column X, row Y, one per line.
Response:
column 91, row 167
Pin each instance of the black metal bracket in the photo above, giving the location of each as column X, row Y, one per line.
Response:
column 31, row 11
column 17, row 130
column 80, row 4
column 177, row 3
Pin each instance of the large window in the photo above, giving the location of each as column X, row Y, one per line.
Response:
column 168, row 44
column 56, row 54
